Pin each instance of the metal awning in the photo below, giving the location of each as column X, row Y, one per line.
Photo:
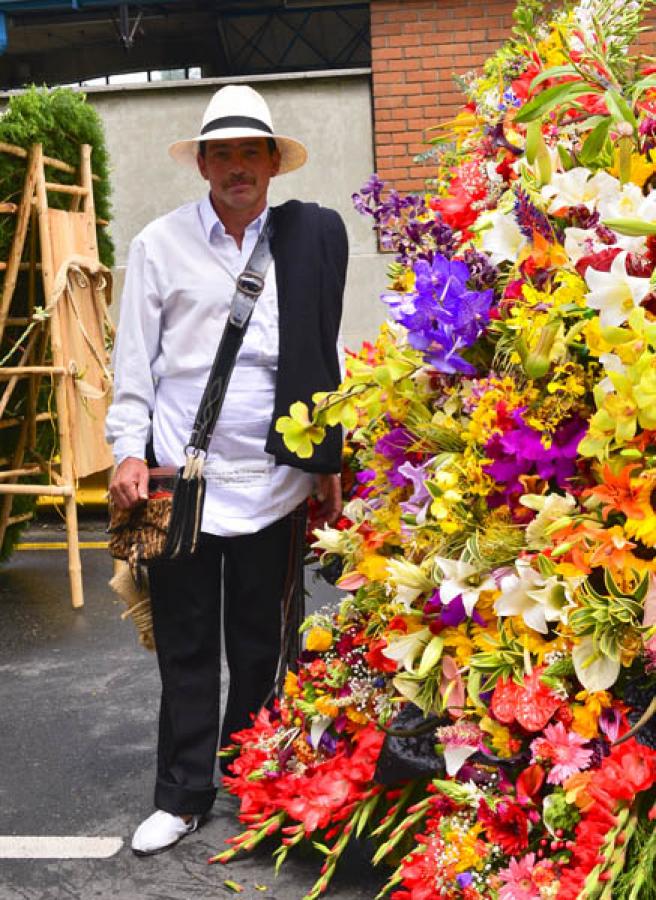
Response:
column 62, row 41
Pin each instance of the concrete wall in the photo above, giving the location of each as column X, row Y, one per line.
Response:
column 330, row 114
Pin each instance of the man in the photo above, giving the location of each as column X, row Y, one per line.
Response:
column 180, row 281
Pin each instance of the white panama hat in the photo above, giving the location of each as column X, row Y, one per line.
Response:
column 237, row 111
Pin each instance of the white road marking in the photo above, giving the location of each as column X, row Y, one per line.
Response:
column 27, row 847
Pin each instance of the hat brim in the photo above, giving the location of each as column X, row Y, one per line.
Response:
column 293, row 154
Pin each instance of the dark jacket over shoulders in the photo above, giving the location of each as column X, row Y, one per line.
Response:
column 310, row 249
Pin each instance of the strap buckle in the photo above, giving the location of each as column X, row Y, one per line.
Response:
column 249, row 287
column 250, row 283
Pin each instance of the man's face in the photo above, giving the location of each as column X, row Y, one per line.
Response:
column 239, row 172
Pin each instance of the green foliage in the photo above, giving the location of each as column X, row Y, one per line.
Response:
column 61, row 120
column 637, row 882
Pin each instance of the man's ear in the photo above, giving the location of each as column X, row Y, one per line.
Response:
column 202, row 165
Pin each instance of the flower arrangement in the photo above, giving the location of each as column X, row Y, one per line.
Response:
column 498, row 548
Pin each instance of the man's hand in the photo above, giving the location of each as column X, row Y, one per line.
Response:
column 329, row 496
column 129, row 483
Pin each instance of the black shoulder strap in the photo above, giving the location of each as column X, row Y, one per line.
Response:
column 249, row 287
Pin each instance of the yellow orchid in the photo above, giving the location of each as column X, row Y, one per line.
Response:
column 298, row 431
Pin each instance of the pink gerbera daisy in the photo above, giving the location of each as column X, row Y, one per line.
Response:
column 563, row 749
column 517, row 880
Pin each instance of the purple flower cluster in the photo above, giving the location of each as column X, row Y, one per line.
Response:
column 402, row 223
column 530, row 218
column 521, row 451
column 443, row 315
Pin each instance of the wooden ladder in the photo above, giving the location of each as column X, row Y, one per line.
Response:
column 32, row 222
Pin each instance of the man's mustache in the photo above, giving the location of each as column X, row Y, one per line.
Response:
column 237, row 182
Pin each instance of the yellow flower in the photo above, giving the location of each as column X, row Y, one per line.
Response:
column 356, row 716
column 500, row 736
column 298, row 431
column 642, row 168
column 319, row 639
column 586, row 716
column 373, row 566
column 291, row 687
column 458, row 641
column 326, row 706
column 594, row 340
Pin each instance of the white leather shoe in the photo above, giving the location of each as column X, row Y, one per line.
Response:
column 161, row 831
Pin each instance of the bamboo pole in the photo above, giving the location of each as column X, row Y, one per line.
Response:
column 18, row 242
column 13, row 379
column 11, row 371
column 33, row 387
column 66, row 188
column 47, row 467
column 39, row 490
column 86, row 180
column 23, row 517
column 18, row 420
column 18, row 473
column 65, row 448
column 16, row 463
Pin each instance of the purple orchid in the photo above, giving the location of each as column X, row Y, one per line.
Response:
column 521, row 451
column 394, row 447
column 450, row 614
column 443, row 315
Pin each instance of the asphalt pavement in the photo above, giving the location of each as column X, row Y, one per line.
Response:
column 78, row 706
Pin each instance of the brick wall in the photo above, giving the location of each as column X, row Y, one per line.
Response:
column 416, row 47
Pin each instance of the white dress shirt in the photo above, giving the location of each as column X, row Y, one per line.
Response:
column 180, row 280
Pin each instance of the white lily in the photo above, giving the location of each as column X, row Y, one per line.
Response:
column 630, row 203
column 333, row 540
column 577, row 188
column 550, row 508
column 615, row 293
column 502, row 240
column 462, row 579
column 408, row 580
column 538, row 600
column 406, row 649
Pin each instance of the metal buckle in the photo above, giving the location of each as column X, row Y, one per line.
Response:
column 250, row 283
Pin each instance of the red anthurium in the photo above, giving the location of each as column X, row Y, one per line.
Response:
column 528, row 784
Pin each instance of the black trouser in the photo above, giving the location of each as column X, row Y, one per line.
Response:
column 186, row 600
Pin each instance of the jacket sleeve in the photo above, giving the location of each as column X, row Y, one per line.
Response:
column 137, row 344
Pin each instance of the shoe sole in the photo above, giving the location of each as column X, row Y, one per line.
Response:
column 143, row 853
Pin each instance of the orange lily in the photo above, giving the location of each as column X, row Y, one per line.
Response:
column 618, row 492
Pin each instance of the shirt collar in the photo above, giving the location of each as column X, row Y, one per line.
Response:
column 214, row 228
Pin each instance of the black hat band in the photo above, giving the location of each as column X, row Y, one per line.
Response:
column 236, row 122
